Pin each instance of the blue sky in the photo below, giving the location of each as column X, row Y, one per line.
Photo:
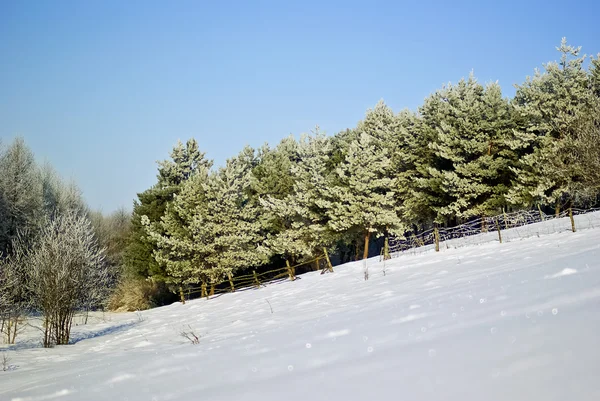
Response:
column 103, row 89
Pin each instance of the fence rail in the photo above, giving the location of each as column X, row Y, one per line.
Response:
column 256, row 280
column 504, row 227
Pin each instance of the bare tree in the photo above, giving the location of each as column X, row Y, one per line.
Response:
column 65, row 272
column 13, row 294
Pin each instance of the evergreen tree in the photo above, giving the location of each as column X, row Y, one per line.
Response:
column 153, row 202
column 304, row 231
column 552, row 105
column 595, row 75
column 468, row 172
column 361, row 195
column 212, row 228
column 272, row 175
column 180, row 256
column 231, row 224
column 413, row 158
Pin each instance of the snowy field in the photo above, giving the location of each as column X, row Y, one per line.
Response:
column 513, row 321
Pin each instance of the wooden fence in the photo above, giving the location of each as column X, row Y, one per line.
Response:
column 255, row 280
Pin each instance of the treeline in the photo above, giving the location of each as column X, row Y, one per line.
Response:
column 467, row 152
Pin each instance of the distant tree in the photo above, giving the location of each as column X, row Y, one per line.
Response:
column 14, row 297
column 59, row 196
column 112, row 232
column 20, row 194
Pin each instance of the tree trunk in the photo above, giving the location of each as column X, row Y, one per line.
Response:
column 256, row 281
column 557, row 209
column 436, row 234
column 572, row 219
column 289, row 269
column 366, row 251
column 386, row 246
column 541, row 213
column 329, row 265
column 231, row 282
column 499, row 232
column 204, row 293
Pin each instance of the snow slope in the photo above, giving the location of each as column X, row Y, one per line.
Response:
column 513, row 321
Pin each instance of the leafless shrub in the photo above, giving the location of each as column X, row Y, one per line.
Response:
column 5, row 361
column 65, row 273
column 190, row 335
column 270, row 307
column 13, row 295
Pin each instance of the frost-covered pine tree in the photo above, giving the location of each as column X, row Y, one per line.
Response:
column 272, row 175
column 152, row 203
column 303, row 230
column 360, row 196
column 176, row 251
column 212, row 228
column 231, row 223
column 468, row 172
column 552, row 107
column 413, row 158
column 595, row 75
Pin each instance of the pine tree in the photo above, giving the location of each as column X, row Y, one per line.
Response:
column 361, row 195
column 303, row 230
column 552, row 105
column 212, row 228
column 152, row 203
column 468, row 169
column 413, row 158
column 231, row 223
column 176, row 251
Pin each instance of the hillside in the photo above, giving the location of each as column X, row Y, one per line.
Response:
column 513, row 321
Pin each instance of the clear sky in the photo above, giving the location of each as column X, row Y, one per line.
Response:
column 103, row 89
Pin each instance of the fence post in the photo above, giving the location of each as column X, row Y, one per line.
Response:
column 572, row 219
column 257, row 282
column 290, row 271
column 436, row 234
column 329, row 266
column 230, row 281
column 204, row 293
column 499, row 232
column 181, row 296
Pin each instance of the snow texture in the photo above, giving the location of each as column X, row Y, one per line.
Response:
column 513, row 321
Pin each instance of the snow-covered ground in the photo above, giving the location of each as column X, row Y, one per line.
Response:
column 513, row 321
